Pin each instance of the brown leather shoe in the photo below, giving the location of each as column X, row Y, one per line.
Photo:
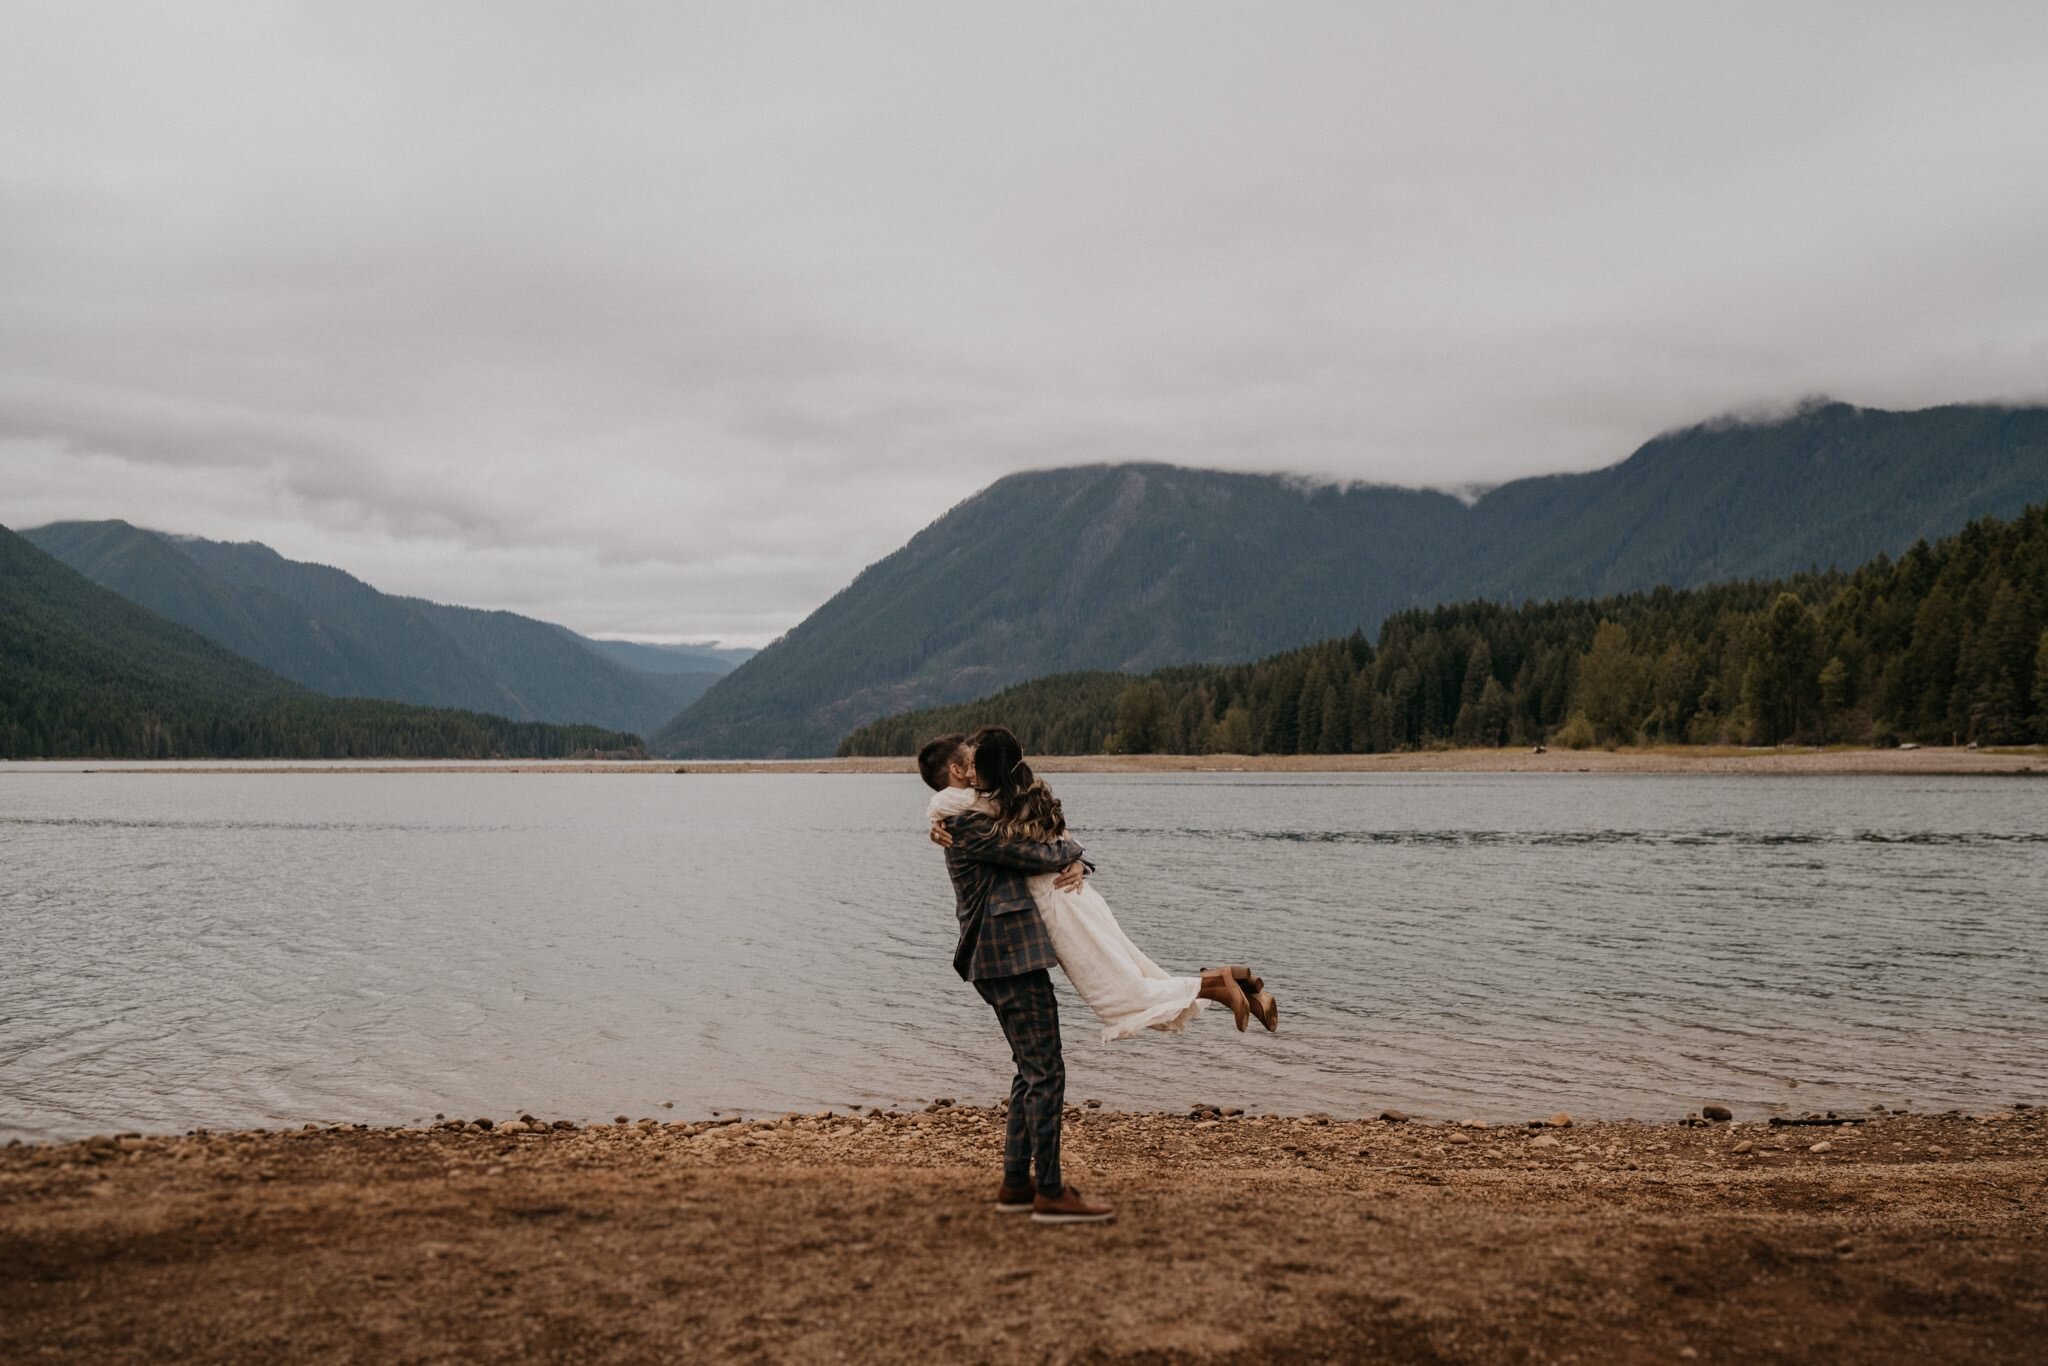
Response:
column 1267, row 1011
column 1069, row 1208
column 1219, row 985
column 1015, row 1199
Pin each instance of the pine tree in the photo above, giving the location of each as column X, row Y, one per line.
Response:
column 1609, row 675
column 1834, row 691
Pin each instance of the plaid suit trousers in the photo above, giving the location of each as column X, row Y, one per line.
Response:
column 1038, row 1094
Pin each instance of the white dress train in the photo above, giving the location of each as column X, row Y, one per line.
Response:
column 1127, row 991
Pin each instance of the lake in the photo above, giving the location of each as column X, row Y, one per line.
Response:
column 195, row 949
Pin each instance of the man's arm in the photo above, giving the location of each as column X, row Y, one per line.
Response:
column 1070, row 879
column 975, row 837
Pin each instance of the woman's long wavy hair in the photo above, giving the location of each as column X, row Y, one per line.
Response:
column 1025, row 806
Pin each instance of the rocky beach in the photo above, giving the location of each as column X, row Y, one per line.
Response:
column 857, row 1236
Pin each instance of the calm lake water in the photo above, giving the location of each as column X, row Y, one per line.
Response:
column 223, row 950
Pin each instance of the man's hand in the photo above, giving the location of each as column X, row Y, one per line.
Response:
column 941, row 836
column 1071, row 877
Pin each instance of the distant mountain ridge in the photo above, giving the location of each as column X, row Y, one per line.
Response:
column 1132, row 567
column 328, row 630
column 84, row 673
column 669, row 659
column 1946, row 643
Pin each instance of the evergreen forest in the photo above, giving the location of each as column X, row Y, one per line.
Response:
column 86, row 674
column 1948, row 643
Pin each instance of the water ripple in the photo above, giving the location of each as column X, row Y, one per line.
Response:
column 198, row 949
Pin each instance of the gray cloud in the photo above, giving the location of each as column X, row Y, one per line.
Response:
column 665, row 319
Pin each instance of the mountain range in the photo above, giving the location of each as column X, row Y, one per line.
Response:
column 1130, row 567
column 331, row 632
column 1944, row 644
column 84, row 673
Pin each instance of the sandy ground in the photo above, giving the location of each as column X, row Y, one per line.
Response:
column 1673, row 759
column 843, row 1237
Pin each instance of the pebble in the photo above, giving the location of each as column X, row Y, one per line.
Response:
column 1822, row 1147
column 485, row 1124
column 1743, row 1147
column 1720, row 1114
column 1543, row 1141
column 1393, row 1116
column 1560, row 1120
column 1455, row 1137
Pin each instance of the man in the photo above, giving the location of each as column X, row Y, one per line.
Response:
column 1005, row 952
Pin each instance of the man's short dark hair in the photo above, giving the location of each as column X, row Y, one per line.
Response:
column 936, row 756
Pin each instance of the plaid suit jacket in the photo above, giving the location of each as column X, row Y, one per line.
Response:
column 1001, row 933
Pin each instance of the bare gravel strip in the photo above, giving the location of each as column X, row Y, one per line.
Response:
column 844, row 1237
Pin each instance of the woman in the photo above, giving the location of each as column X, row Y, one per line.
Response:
column 1126, row 989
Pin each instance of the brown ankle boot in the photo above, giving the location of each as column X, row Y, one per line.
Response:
column 1268, row 1012
column 1219, row 985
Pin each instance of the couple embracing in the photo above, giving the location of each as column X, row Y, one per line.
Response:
column 1024, row 905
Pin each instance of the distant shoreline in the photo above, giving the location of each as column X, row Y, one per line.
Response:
column 1788, row 761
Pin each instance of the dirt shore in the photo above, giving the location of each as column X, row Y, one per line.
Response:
column 1672, row 759
column 844, row 1237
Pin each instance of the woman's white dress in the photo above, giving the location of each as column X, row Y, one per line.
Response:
column 1126, row 990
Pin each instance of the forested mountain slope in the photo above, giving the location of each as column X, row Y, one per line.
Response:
column 84, row 673
column 1137, row 566
column 331, row 632
column 1947, row 643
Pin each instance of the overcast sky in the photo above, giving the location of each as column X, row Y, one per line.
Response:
column 664, row 319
